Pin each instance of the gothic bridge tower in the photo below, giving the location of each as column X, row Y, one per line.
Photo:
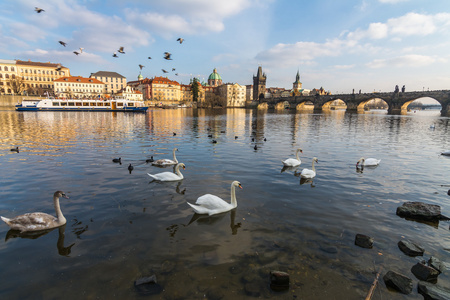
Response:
column 259, row 85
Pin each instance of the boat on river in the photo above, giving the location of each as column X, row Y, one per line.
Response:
column 99, row 104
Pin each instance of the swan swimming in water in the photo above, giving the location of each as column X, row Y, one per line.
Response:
column 169, row 176
column 165, row 161
column 307, row 173
column 293, row 162
column 212, row 205
column 367, row 162
column 446, row 153
column 39, row 221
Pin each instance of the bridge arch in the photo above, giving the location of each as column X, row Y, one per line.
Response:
column 263, row 105
column 283, row 105
column 305, row 105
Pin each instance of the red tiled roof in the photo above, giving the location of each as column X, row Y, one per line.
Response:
column 164, row 80
column 38, row 64
column 78, row 79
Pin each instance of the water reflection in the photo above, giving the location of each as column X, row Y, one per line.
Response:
column 288, row 168
column 214, row 219
column 62, row 250
column 309, row 181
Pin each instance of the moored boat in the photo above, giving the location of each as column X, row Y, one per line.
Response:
column 61, row 104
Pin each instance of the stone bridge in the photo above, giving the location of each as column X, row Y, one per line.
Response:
column 397, row 101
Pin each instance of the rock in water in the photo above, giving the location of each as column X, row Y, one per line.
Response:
column 419, row 210
column 364, row 241
column 410, row 248
column 425, row 273
column 279, row 280
column 401, row 283
column 432, row 291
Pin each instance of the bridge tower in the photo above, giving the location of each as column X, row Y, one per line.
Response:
column 259, row 85
column 297, row 85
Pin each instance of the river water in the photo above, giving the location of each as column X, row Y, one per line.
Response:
column 121, row 226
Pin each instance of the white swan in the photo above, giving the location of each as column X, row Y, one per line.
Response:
column 307, row 173
column 165, row 161
column 39, row 221
column 169, row 176
column 211, row 205
column 293, row 162
column 367, row 162
column 446, row 153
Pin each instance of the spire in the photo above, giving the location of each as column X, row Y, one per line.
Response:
column 260, row 73
column 297, row 77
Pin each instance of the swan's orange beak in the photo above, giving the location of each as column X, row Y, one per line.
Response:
column 240, row 185
column 184, row 168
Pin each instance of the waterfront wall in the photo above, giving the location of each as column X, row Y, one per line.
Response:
column 9, row 101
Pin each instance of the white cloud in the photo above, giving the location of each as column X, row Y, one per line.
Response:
column 344, row 67
column 411, row 60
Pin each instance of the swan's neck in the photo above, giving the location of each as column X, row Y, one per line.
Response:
column 313, row 167
column 177, row 170
column 233, row 196
column 296, row 155
column 59, row 214
column 174, row 158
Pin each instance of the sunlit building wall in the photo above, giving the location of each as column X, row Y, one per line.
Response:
column 78, row 87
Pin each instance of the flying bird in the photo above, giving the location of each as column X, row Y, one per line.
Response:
column 149, row 57
column 176, row 74
column 164, row 71
column 121, row 50
column 141, row 66
column 38, row 10
column 167, row 55
column 173, row 69
column 76, row 53
column 115, row 54
column 180, row 40
column 58, row 68
column 62, row 43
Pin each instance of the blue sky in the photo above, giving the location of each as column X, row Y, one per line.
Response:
column 343, row 45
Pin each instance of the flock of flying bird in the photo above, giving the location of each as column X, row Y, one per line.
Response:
column 167, row 55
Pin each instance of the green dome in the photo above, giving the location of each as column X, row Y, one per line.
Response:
column 140, row 77
column 214, row 75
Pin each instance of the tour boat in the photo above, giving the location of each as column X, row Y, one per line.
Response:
column 61, row 104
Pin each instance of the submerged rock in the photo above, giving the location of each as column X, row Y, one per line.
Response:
column 433, row 292
column 421, row 211
column 364, row 241
column 399, row 282
column 410, row 248
column 425, row 273
column 144, row 280
column 279, row 280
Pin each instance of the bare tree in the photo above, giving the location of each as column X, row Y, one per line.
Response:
column 17, row 85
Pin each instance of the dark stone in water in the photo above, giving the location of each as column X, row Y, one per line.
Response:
column 435, row 263
column 364, row 241
column 146, row 286
column 279, row 280
column 399, row 282
column 144, row 280
column 421, row 211
column 433, row 292
column 410, row 248
column 425, row 273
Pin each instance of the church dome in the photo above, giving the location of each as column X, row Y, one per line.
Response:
column 214, row 75
column 140, row 77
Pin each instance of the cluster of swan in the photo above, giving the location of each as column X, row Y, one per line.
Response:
column 311, row 173
column 206, row 204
